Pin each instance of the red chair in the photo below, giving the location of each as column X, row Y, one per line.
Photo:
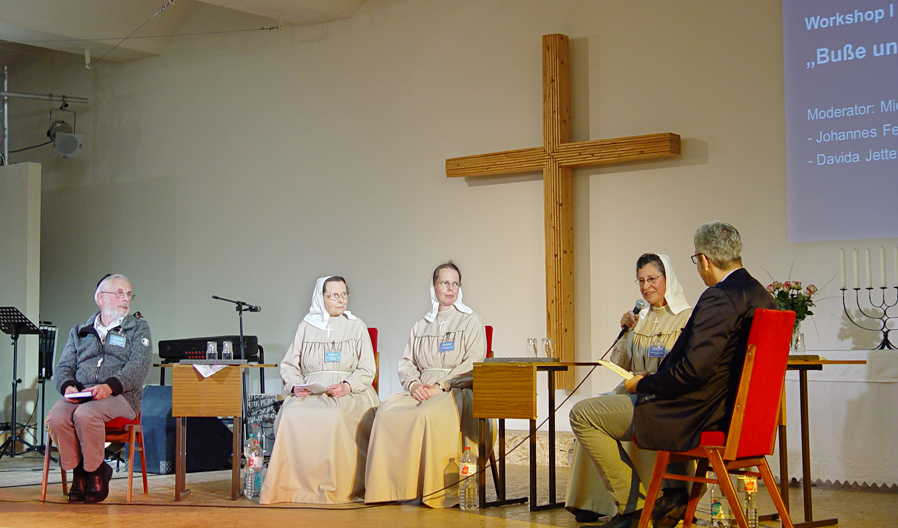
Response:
column 118, row 430
column 750, row 437
column 372, row 332
column 489, row 353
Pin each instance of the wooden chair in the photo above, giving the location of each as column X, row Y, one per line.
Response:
column 372, row 332
column 118, row 430
column 750, row 437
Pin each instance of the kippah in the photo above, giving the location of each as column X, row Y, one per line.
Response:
column 104, row 278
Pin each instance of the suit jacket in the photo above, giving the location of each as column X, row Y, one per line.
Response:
column 695, row 387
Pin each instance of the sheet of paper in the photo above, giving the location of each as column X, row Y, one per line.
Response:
column 314, row 388
column 614, row 367
column 208, row 370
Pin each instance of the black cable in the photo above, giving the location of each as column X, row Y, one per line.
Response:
column 31, row 147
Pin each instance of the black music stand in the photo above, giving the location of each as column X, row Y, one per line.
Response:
column 14, row 322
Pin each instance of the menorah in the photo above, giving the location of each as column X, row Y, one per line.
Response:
column 882, row 306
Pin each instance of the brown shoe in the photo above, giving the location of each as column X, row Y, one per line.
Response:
column 79, row 483
column 98, row 484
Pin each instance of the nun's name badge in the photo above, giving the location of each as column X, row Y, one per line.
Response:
column 332, row 356
column 657, row 351
column 447, row 346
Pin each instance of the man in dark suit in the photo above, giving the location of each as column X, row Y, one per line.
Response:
column 696, row 383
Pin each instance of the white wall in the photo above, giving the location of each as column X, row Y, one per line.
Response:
column 246, row 165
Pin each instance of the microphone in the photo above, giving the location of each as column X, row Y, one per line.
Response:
column 241, row 306
column 640, row 304
column 252, row 308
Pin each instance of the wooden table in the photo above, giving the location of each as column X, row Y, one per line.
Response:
column 803, row 366
column 221, row 394
column 507, row 390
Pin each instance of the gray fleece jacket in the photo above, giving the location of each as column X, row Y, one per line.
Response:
column 122, row 363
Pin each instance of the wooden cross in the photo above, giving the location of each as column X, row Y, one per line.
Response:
column 555, row 159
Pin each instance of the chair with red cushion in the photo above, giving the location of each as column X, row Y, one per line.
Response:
column 372, row 332
column 750, row 438
column 117, row 430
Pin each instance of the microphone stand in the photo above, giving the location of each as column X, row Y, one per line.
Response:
column 240, row 307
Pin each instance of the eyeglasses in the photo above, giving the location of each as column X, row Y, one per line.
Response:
column 338, row 296
column 651, row 281
column 447, row 284
column 695, row 257
column 121, row 294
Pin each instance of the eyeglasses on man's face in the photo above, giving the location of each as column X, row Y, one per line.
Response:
column 121, row 294
column 695, row 257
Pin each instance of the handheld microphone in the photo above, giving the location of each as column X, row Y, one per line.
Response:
column 640, row 304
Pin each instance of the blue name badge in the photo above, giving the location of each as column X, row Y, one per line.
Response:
column 117, row 340
column 447, row 346
column 657, row 351
column 332, row 356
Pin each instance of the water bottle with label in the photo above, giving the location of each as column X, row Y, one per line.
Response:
column 720, row 510
column 255, row 462
column 467, row 481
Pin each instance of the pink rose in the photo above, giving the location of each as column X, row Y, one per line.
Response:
column 812, row 289
column 770, row 288
column 796, row 285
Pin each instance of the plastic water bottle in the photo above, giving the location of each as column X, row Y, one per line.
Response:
column 467, row 482
column 720, row 511
column 751, row 503
column 254, row 464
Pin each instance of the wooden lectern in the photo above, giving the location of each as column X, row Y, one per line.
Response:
column 221, row 394
column 507, row 390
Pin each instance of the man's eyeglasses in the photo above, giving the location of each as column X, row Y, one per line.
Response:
column 651, row 281
column 338, row 296
column 121, row 294
column 695, row 257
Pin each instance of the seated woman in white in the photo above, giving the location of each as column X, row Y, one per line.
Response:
column 321, row 431
column 416, row 440
column 649, row 337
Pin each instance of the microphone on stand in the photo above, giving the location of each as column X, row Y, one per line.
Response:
column 252, row 308
column 640, row 304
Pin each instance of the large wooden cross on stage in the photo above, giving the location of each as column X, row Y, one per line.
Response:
column 556, row 158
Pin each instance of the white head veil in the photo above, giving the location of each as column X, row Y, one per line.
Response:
column 435, row 305
column 674, row 295
column 318, row 315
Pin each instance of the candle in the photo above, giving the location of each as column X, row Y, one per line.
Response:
column 857, row 282
column 882, row 267
column 867, row 267
column 842, row 265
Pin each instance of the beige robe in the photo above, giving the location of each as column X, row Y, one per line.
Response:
column 415, row 446
column 586, row 490
column 321, row 442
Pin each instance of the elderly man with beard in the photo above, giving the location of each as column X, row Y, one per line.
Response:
column 109, row 357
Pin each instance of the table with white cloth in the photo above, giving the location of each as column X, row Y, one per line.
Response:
column 845, row 407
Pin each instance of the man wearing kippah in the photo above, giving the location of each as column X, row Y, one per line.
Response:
column 106, row 361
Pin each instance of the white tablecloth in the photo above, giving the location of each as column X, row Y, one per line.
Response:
column 853, row 415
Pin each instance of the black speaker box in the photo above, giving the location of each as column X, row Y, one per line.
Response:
column 208, row 439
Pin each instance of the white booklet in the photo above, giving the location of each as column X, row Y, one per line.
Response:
column 80, row 395
column 314, row 388
column 614, row 367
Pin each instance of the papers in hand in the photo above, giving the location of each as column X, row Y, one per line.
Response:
column 614, row 367
column 80, row 395
column 314, row 388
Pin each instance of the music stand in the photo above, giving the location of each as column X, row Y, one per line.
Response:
column 14, row 322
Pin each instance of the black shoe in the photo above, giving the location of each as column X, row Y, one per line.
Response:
column 98, row 482
column 585, row 516
column 670, row 508
column 621, row 520
column 79, row 484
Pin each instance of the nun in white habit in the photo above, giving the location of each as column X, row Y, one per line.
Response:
column 418, row 434
column 322, row 429
column 649, row 337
